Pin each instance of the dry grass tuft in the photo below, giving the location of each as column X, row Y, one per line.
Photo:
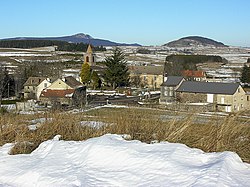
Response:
column 230, row 133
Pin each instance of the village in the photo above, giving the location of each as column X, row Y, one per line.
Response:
column 125, row 93
column 150, row 85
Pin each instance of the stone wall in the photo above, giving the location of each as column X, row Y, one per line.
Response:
column 191, row 97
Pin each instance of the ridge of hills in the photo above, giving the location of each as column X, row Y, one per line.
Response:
column 77, row 38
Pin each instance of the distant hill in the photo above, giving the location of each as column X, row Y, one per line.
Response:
column 195, row 41
column 77, row 38
column 61, row 45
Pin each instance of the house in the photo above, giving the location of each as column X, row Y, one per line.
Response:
column 168, row 88
column 34, row 86
column 227, row 97
column 60, row 91
column 193, row 75
column 150, row 76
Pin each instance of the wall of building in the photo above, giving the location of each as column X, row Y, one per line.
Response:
column 237, row 101
column 168, row 94
column 29, row 92
column 152, row 81
column 44, row 84
column 191, row 97
column 59, row 85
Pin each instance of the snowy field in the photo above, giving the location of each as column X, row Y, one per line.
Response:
column 112, row 161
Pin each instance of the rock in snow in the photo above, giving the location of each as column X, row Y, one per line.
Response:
column 110, row 160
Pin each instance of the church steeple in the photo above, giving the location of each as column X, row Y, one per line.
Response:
column 89, row 50
column 89, row 56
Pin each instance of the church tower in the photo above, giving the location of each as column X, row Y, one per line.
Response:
column 89, row 56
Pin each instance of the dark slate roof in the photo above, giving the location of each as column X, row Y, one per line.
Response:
column 34, row 81
column 208, row 87
column 72, row 82
column 172, row 81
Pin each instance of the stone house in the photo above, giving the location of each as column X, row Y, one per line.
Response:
column 150, row 76
column 168, row 89
column 226, row 97
column 34, row 86
column 60, row 91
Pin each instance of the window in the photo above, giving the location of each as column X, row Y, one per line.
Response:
column 166, row 93
column 87, row 59
column 45, row 85
column 171, row 93
column 248, row 98
column 238, row 90
column 222, row 100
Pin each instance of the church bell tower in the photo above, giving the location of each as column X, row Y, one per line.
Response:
column 89, row 56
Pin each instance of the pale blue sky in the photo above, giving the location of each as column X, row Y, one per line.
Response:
column 148, row 22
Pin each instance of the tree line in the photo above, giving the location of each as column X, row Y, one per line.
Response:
column 61, row 45
column 175, row 64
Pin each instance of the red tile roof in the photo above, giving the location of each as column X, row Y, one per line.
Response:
column 57, row 93
column 191, row 73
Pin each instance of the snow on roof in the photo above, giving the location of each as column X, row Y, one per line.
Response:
column 110, row 160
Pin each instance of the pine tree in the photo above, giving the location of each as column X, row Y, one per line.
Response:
column 245, row 74
column 116, row 73
column 85, row 73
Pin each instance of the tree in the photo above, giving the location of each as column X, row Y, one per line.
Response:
column 245, row 74
column 136, row 81
column 7, row 84
column 116, row 74
column 95, row 79
column 85, row 73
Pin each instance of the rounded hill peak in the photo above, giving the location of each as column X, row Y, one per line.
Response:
column 195, row 41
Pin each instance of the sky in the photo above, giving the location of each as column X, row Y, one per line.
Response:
column 147, row 22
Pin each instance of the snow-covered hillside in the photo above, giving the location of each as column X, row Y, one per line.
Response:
column 112, row 161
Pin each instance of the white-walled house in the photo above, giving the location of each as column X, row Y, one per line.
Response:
column 34, row 86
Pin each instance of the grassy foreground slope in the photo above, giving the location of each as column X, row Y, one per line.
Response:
column 230, row 133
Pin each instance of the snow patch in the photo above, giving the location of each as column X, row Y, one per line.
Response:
column 110, row 160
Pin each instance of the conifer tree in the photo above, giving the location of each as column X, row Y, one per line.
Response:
column 116, row 73
column 245, row 74
column 85, row 73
